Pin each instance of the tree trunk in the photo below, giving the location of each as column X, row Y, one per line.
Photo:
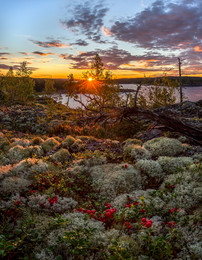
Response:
column 180, row 80
column 136, row 94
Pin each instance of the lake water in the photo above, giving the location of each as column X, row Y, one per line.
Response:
column 192, row 93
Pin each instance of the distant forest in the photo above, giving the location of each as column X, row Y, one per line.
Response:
column 59, row 83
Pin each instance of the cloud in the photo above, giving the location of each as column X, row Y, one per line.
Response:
column 4, row 67
column 5, row 48
column 63, row 56
column 115, row 59
column 143, row 3
column 15, row 67
column 163, row 25
column 198, row 48
column 4, row 53
column 80, row 43
column 23, row 53
column 49, row 44
column 87, row 19
column 42, row 53
column 106, row 31
column 191, row 59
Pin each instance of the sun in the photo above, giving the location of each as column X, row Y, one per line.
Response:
column 90, row 79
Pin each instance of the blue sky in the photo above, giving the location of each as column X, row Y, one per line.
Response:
column 133, row 37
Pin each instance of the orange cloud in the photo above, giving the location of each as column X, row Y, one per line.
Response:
column 198, row 48
column 40, row 53
column 106, row 31
column 80, row 52
column 49, row 44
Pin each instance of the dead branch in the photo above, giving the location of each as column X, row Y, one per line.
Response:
column 160, row 117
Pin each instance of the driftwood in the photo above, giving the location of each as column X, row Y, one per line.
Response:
column 159, row 117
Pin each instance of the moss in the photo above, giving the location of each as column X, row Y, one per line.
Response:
column 29, row 167
column 62, row 155
column 132, row 141
column 37, row 141
column 36, row 150
column 4, row 170
column 50, row 144
column 164, row 146
column 150, row 169
column 136, row 152
column 120, row 201
column 58, row 139
column 187, row 189
column 69, row 140
column 197, row 157
column 24, row 166
column 77, row 146
column 172, row 165
column 114, row 179
column 14, row 184
column 4, row 143
column 139, row 152
column 92, row 161
column 115, row 144
column 183, row 139
column 18, row 153
column 63, row 204
column 22, row 142
column 83, row 137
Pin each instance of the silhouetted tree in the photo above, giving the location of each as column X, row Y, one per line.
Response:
column 23, row 70
column 19, row 87
column 180, row 80
column 49, row 86
column 103, row 92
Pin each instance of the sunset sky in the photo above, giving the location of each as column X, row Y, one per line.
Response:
column 135, row 38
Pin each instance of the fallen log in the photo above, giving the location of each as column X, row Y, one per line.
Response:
column 159, row 117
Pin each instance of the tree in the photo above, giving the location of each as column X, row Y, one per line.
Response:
column 161, row 93
column 99, row 88
column 25, row 83
column 49, row 86
column 69, row 85
column 97, row 69
column 23, row 70
column 180, row 80
column 19, row 87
